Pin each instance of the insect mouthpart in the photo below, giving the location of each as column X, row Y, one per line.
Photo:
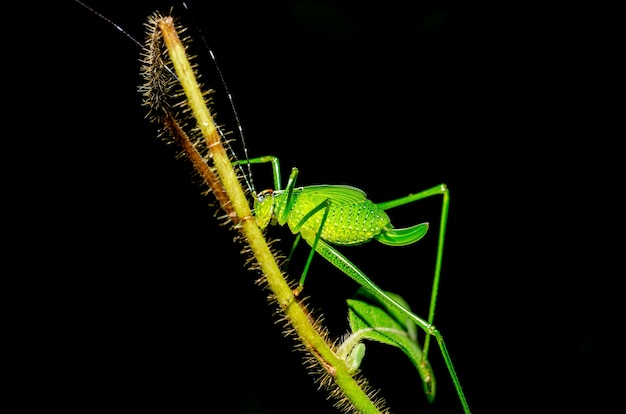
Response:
column 264, row 208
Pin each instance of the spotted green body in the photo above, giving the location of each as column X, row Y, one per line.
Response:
column 352, row 218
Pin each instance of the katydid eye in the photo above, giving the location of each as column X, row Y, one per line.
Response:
column 263, row 194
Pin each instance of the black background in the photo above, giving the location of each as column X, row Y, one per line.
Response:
column 131, row 294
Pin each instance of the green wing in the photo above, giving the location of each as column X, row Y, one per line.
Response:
column 339, row 194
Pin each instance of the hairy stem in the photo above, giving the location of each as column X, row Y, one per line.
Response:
column 350, row 391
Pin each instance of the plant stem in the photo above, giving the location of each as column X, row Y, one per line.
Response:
column 350, row 391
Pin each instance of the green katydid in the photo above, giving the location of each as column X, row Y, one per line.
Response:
column 342, row 215
column 324, row 215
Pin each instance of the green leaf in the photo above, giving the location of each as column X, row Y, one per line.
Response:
column 373, row 319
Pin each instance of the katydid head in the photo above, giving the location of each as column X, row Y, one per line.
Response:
column 264, row 208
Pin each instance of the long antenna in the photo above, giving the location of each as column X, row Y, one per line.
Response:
column 109, row 21
column 246, row 176
column 231, row 101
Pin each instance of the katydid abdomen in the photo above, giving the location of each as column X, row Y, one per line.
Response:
column 351, row 220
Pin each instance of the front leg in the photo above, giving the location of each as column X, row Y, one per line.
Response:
column 263, row 160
